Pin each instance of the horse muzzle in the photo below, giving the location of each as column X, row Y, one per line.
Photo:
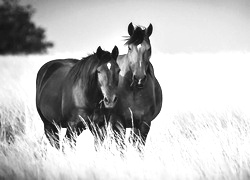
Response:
column 110, row 102
column 139, row 82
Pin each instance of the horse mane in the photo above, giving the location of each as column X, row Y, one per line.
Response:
column 138, row 36
column 86, row 67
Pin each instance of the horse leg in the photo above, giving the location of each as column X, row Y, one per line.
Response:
column 73, row 132
column 143, row 131
column 119, row 130
column 134, row 136
column 97, row 133
column 50, row 130
column 52, row 133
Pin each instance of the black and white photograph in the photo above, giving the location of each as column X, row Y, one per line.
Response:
column 124, row 89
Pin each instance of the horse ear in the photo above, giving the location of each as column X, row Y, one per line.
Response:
column 99, row 52
column 130, row 29
column 115, row 52
column 149, row 30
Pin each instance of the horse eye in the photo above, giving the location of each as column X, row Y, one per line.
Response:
column 129, row 48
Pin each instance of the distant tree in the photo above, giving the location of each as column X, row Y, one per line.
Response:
column 18, row 34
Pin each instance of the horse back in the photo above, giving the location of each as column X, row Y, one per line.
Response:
column 49, row 68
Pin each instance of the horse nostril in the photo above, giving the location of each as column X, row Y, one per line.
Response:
column 144, row 79
column 115, row 99
column 134, row 77
column 106, row 100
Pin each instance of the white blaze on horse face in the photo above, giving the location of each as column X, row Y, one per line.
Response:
column 139, row 46
column 109, row 66
column 102, row 79
column 140, row 63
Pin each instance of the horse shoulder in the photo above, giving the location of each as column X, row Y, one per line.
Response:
column 73, row 103
column 78, row 94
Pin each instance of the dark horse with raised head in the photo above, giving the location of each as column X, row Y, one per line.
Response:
column 70, row 90
column 139, row 92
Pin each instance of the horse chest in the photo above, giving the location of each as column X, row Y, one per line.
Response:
column 138, row 99
column 138, row 104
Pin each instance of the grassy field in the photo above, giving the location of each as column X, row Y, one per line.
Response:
column 202, row 132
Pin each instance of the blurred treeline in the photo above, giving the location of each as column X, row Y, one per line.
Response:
column 18, row 34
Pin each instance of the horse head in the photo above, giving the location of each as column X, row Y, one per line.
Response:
column 108, row 76
column 139, row 52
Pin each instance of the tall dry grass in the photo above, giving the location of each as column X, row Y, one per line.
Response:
column 184, row 143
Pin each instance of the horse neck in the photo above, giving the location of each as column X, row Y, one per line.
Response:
column 84, row 83
column 125, row 73
column 123, row 63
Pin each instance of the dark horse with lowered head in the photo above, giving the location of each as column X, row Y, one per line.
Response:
column 70, row 90
column 139, row 92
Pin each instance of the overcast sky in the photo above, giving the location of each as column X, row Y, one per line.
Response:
column 179, row 26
